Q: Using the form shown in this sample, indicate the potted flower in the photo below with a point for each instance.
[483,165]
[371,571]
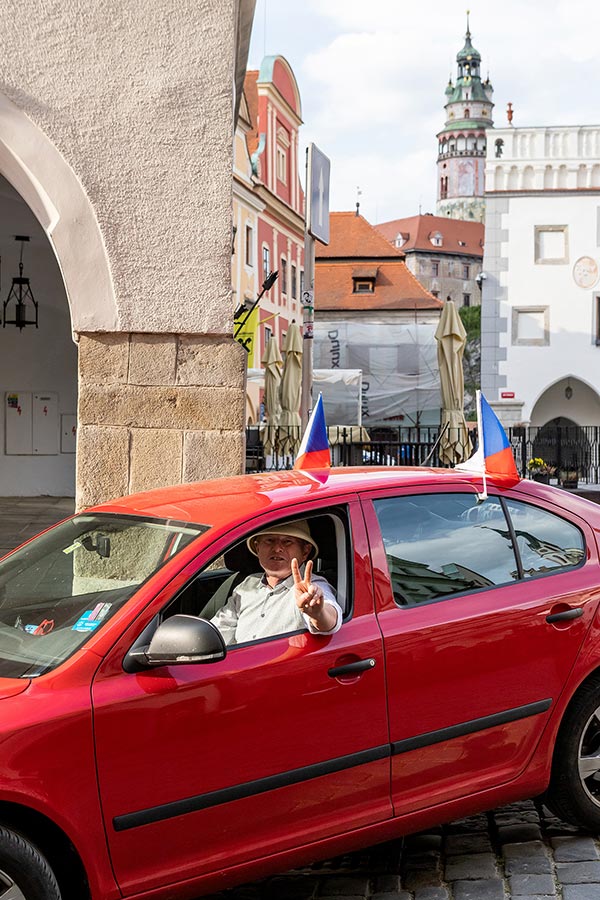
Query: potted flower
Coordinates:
[540,470]
[569,478]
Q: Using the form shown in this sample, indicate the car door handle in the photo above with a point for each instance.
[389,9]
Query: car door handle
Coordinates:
[565,615]
[351,668]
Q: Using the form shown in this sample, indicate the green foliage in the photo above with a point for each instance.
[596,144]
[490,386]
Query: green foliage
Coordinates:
[471,319]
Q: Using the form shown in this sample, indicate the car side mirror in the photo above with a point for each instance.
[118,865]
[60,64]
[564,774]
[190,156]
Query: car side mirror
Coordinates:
[181,640]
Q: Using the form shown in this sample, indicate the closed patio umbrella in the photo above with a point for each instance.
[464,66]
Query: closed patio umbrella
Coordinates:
[451,337]
[291,388]
[273,364]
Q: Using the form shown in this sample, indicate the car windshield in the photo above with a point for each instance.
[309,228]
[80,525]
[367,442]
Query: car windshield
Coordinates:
[61,587]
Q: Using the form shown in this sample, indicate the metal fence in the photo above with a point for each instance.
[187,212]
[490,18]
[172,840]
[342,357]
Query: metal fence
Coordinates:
[570,450]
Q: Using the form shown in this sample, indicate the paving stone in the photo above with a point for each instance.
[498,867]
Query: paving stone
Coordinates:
[428,860]
[581,892]
[347,886]
[471,823]
[574,849]
[578,873]
[471,866]
[528,865]
[390,895]
[423,842]
[384,883]
[292,887]
[432,893]
[531,884]
[456,844]
[490,889]
[419,878]
[525,849]
[512,834]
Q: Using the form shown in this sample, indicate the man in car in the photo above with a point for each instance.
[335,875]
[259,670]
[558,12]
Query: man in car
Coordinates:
[286,596]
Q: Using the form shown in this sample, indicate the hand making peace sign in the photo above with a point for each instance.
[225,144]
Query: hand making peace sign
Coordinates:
[310,598]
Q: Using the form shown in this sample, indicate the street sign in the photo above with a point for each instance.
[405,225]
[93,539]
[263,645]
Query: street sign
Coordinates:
[317,194]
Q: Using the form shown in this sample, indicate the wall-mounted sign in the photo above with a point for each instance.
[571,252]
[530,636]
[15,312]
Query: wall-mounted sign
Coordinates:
[585,272]
[507,395]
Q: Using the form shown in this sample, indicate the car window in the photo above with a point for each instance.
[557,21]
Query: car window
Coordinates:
[233,581]
[442,544]
[65,584]
[546,542]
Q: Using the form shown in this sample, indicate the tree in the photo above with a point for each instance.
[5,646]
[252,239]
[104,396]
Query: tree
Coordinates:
[471,319]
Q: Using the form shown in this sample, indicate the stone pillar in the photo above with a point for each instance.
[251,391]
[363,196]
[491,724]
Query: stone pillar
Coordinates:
[157,409]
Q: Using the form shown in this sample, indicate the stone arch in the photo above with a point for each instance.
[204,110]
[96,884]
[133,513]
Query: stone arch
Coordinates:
[51,189]
[499,178]
[513,179]
[595,176]
[563,174]
[582,176]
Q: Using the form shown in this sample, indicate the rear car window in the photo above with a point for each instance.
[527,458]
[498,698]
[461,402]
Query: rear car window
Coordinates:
[438,545]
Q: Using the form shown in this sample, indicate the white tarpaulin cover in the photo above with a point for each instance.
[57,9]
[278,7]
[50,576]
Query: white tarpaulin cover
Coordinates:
[400,376]
[341,389]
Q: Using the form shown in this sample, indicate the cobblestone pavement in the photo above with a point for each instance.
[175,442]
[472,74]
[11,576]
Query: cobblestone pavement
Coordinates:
[518,852]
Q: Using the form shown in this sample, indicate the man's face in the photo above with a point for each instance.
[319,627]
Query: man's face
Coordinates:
[276,552]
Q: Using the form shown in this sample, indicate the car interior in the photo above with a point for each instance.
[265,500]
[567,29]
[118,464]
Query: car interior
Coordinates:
[211,588]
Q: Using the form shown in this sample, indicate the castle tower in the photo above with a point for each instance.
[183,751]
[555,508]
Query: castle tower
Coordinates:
[462,141]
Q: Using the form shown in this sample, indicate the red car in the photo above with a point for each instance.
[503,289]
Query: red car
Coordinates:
[142,758]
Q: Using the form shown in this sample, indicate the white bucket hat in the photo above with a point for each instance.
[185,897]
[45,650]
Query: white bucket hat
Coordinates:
[298,529]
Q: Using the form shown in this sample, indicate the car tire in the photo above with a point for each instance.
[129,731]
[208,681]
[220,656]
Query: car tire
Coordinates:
[574,790]
[24,873]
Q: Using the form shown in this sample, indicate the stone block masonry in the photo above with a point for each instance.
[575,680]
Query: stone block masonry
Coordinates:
[157,409]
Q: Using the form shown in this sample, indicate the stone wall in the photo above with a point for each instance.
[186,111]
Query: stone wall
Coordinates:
[157,409]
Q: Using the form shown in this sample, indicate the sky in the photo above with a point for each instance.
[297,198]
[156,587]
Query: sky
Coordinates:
[372,76]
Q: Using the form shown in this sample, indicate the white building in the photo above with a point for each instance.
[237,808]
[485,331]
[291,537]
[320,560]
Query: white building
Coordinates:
[540,324]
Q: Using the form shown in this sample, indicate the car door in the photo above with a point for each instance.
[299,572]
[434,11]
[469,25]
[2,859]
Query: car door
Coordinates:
[204,767]
[478,643]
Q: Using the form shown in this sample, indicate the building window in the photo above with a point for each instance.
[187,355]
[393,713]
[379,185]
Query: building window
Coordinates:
[551,245]
[399,240]
[301,281]
[436,239]
[364,285]
[435,268]
[422,267]
[283,275]
[450,267]
[467,114]
[281,164]
[268,334]
[466,269]
[530,326]
[466,299]
[436,293]
[266,261]
[293,280]
[249,245]
[597,302]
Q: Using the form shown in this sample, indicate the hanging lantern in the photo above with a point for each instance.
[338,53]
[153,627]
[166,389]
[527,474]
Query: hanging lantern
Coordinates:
[21,295]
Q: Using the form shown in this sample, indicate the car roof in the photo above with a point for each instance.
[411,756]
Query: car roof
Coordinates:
[221,501]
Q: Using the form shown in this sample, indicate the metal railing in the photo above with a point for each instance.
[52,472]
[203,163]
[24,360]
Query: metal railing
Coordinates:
[569,450]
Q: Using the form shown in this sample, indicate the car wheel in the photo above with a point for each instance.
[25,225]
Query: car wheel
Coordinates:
[574,791]
[24,873]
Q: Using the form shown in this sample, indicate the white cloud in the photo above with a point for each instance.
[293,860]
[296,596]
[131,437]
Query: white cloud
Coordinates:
[372,78]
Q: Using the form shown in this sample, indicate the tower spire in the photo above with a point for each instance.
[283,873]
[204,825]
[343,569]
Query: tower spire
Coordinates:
[462,140]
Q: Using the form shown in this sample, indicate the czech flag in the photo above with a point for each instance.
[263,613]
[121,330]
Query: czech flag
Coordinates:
[313,452]
[493,455]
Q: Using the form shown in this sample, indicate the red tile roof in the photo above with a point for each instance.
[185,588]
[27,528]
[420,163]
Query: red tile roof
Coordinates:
[395,288]
[353,244]
[457,236]
[352,237]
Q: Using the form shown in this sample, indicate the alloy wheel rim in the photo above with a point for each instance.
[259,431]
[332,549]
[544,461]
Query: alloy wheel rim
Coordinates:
[8,888]
[588,757]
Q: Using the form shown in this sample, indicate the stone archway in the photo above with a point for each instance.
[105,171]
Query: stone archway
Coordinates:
[34,167]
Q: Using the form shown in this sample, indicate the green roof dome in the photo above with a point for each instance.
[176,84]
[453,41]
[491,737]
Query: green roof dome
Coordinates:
[468,51]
